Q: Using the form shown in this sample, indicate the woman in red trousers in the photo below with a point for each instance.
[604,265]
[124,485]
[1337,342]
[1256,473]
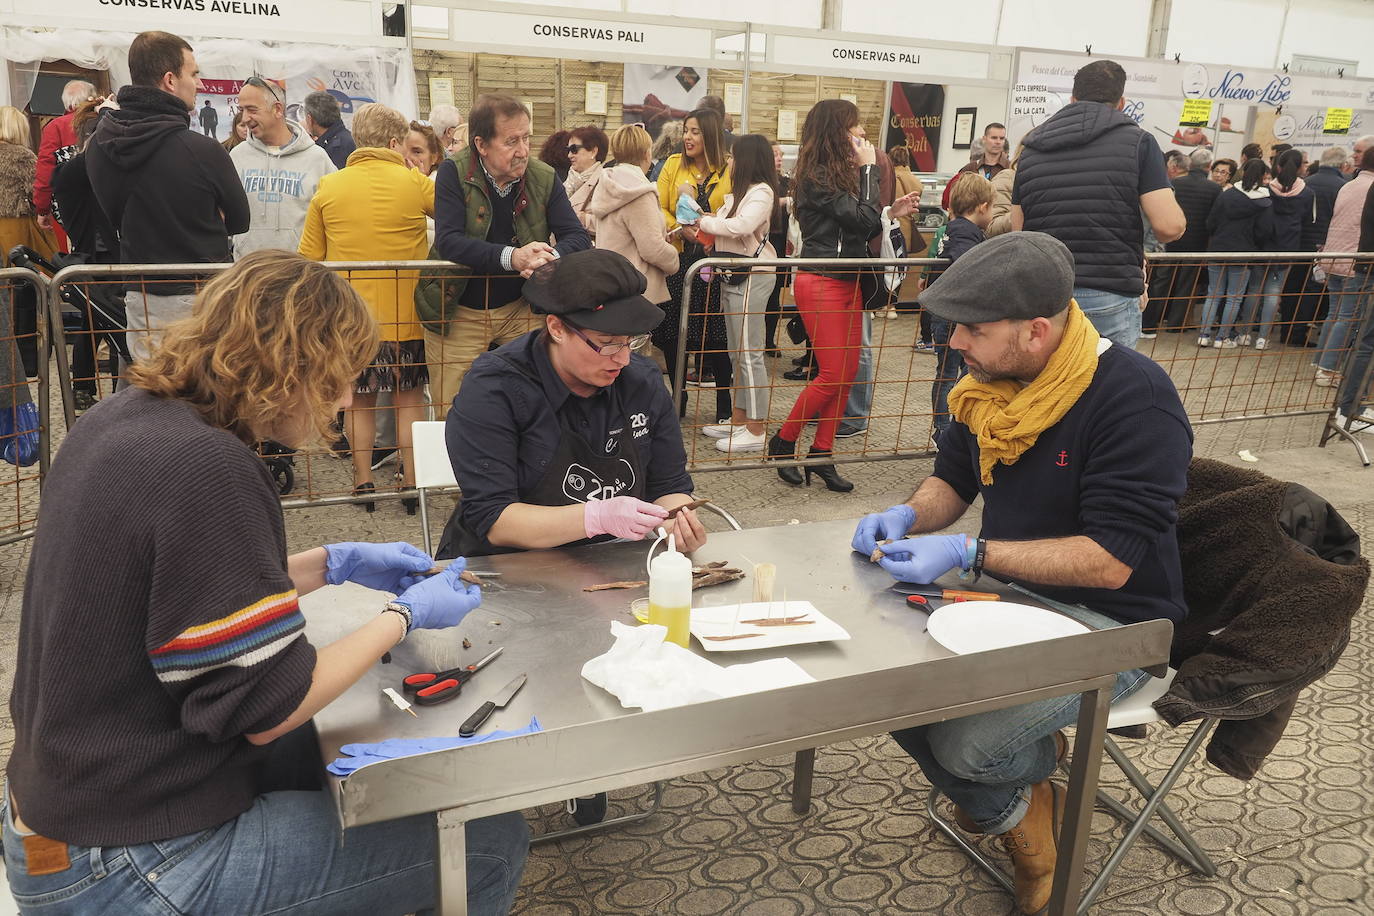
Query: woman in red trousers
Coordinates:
[836,193]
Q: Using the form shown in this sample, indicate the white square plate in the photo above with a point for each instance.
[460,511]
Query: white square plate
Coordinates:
[965,627]
[727,620]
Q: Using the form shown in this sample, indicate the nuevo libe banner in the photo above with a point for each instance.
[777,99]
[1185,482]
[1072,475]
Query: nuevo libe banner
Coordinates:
[913,119]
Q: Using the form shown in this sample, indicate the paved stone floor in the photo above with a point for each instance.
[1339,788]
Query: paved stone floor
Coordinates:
[1295,840]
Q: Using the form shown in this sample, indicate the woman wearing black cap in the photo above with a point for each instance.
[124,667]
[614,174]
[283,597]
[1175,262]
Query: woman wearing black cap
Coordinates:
[564,436]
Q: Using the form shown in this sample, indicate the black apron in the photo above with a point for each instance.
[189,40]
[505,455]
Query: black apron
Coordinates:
[578,471]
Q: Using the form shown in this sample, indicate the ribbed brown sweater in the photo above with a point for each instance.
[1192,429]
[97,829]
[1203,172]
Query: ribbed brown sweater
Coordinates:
[159,626]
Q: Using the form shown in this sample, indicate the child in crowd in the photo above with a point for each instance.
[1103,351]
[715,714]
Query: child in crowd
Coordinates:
[971,203]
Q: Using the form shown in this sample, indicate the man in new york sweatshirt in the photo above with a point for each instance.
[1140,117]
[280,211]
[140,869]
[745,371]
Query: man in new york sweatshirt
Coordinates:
[280,167]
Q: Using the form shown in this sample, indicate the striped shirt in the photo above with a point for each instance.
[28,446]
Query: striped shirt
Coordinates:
[159,627]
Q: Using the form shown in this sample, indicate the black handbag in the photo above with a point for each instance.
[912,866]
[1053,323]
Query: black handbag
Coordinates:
[737,276]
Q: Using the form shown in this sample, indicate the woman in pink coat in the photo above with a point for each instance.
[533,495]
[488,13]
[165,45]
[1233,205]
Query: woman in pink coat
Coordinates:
[624,207]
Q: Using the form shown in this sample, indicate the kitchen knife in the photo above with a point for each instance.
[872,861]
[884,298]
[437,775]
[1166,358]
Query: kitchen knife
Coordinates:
[474,721]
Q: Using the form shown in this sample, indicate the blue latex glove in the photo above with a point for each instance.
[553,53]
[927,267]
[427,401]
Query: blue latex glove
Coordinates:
[923,560]
[889,525]
[357,756]
[687,212]
[385,567]
[441,601]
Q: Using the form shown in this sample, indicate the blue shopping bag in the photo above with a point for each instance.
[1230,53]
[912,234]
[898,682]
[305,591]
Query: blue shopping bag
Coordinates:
[19,434]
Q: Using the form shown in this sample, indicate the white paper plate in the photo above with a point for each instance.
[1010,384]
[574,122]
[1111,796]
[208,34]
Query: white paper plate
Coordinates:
[724,621]
[965,627]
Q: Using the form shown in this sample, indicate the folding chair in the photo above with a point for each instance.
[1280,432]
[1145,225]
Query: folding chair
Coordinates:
[432,468]
[1134,710]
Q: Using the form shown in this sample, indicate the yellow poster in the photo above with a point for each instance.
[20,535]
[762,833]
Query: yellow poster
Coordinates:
[1196,113]
[1337,120]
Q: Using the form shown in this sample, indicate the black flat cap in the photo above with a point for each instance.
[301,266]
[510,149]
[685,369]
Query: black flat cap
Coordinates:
[1017,275]
[596,289]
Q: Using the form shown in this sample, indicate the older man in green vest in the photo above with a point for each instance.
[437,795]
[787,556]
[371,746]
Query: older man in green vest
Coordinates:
[495,212]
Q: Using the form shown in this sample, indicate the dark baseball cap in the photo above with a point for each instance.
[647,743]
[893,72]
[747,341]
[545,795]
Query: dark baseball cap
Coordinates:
[1018,275]
[596,289]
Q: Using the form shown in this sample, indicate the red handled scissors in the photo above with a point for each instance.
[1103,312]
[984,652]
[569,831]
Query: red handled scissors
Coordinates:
[432,687]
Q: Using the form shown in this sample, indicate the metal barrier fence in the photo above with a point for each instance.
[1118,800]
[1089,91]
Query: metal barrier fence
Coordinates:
[1269,330]
[24,349]
[895,414]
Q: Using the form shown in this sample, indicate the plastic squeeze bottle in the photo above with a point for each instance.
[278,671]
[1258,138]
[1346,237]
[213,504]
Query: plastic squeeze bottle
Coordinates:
[670,593]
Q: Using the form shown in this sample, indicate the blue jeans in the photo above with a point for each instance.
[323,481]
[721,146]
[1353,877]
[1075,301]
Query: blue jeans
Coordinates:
[860,403]
[1266,285]
[1224,281]
[949,368]
[1346,295]
[986,763]
[1115,316]
[285,854]
[1351,392]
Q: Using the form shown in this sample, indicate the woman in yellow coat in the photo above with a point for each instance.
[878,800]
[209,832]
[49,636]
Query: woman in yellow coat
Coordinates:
[702,172]
[375,210]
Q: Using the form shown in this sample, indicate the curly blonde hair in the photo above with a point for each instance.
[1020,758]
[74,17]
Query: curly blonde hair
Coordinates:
[272,343]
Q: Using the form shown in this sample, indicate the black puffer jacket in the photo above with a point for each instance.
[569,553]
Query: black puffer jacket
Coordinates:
[1277,567]
[1241,220]
[836,224]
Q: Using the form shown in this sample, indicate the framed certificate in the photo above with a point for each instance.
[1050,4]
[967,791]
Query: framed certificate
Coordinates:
[964,120]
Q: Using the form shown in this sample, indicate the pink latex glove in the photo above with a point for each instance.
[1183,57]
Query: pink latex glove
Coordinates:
[622,516]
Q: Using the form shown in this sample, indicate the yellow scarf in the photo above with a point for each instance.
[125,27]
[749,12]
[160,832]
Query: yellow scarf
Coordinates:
[1007,418]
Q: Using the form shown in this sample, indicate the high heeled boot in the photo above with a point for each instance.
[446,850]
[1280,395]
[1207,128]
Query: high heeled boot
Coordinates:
[778,447]
[827,473]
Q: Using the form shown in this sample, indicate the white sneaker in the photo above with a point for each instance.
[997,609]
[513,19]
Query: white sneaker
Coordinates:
[742,441]
[720,430]
[1148,335]
[1261,343]
[1363,422]
[1204,341]
[1326,378]
[1227,344]
[1245,340]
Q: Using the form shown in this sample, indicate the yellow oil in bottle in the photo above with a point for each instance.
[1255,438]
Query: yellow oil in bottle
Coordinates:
[677,618]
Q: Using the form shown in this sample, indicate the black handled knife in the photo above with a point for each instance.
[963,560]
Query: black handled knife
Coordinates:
[474,721]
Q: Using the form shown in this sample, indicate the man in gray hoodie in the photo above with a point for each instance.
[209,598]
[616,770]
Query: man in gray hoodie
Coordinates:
[280,167]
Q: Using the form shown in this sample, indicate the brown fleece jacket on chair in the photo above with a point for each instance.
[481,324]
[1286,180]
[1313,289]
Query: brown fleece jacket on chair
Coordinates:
[1281,571]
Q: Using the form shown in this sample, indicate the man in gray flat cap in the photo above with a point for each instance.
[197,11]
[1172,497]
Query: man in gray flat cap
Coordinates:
[1080,450]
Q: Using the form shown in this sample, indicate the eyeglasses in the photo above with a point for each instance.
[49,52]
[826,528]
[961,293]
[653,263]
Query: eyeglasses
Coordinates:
[271,88]
[574,149]
[634,343]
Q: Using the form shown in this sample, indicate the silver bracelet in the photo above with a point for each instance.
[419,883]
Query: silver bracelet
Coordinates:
[404,612]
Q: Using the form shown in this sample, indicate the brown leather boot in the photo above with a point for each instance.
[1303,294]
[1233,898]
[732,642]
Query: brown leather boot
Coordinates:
[1033,847]
[1061,748]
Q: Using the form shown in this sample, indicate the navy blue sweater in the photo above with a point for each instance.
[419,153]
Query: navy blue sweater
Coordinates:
[1113,469]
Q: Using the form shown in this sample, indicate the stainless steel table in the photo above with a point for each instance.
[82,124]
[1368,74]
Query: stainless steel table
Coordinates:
[889,675]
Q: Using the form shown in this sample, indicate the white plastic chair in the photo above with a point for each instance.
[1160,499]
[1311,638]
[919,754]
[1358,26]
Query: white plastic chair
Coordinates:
[432,467]
[1136,709]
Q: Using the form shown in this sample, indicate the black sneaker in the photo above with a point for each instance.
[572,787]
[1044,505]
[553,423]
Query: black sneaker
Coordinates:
[83,400]
[845,432]
[588,810]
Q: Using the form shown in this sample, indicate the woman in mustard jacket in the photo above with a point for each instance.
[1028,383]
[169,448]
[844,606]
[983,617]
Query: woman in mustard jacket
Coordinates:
[701,171]
[375,210]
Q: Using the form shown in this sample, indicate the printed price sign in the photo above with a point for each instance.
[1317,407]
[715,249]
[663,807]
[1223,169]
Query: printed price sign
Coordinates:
[1196,113]
[1337,120]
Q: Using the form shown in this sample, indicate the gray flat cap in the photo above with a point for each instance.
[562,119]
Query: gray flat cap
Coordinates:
[1017,275]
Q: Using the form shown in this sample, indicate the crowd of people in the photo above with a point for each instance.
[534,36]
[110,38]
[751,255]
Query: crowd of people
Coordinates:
[561,433]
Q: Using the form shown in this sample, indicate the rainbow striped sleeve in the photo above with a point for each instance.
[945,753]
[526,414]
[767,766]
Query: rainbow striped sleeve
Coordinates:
[240,640]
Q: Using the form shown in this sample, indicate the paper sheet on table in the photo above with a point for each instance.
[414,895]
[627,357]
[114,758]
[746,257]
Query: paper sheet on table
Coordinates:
[643,670]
